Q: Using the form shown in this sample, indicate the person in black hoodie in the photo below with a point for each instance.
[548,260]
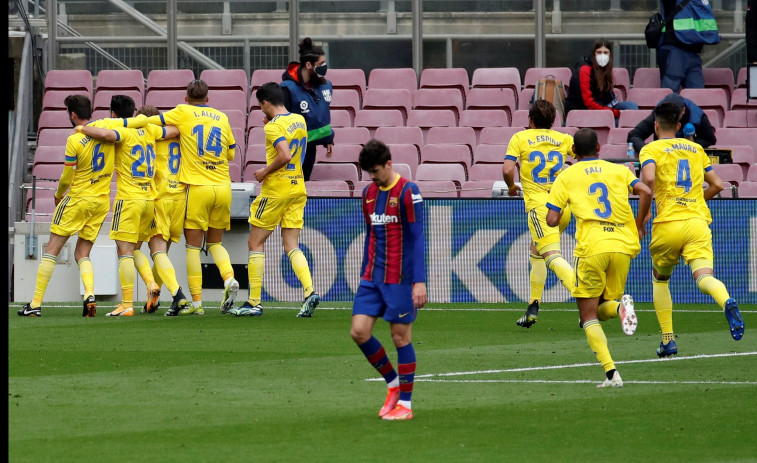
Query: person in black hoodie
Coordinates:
[591,85]
[307,92]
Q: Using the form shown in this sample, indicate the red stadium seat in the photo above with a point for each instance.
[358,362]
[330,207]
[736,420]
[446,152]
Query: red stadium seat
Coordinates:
[485,172]
[520,119]
[342,153]
[256,118]
[375,118]
[452,136]
[225,79]
[165,100]
[49,154]
[492,98]
[747,190]
[169,79]
[248,175]
[489,154]
[708,98]
[121,79]
[497,135]
[743,156]
[50,172]
[346,100]
[479,119]
[622,81]
[328,188]
[403,169]
[393,78]
[69,80]
[534,74]
[455,78]
[438,188]
[405,153]
[477,189]
[54,99]
[647,98]
[352,135]
[340,118]
[335,171]
[741,78]
[237,119]
[497,78]
[751,176]
[260,77]
[228,99]
[646,78]
[599,120]
[53,119]
[739,100]
[103,98]
[439,99]
[255,153]
[630,118]
[719,78]
[255,136]
[736,136]
[619,135]
[427,118]
[401,135]
[353,79]
[569,130]
[53,137]
[615,152]
[524,99]
[715,119]
[235,172]
[729,173]
[389,98]
[447,154]
[740,118]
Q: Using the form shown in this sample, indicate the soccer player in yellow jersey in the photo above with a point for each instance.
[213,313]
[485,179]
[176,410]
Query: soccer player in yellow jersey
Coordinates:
[281,200]
[87,172]
[541,153]
[675,169]
[207,145]
[607,238]
[133,209]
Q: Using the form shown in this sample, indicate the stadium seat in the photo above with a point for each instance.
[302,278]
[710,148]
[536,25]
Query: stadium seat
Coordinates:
[235,171]
[736,136]
[375,118]
[508,77]
[255,136]
[489,154]
[340,118]
[405,153]
[103,98]
[569,130]
[708,98]
[248,175]
[402,169]
[169,79]
[100,114]
[438,188]
[455,78]
[347,100]
[740,118]
[534,74]
[165,100]
[49,172]
[599,120]
[497,135]
[69,80]
[241,141]
[255,153]
[401,135]
[427,118]
[328,188]
[477,189]
[260,77]
[486,172]
[226,79]
[227,99]
[743,156]
[353,79]
[715,119]
[441,171]
[647,98]
[478,119]
[237,119]
[739,100]
[54,99]
[719,78]
[49,154]
[619,135]
[646,78]
[53,119]
[492,98]
[439,99]
[741,78]
[53,137]
[388,98]
[729,173]
[447,154]
[255,118]
[630,117]
[524,99]
[120,79]
[616,152]
[357,190]
[393,78]
[336,171]
[520,119]
[44,207]
[751,176]
[453,136]
[353,135]
[622,81]
[341,153]
[747,190]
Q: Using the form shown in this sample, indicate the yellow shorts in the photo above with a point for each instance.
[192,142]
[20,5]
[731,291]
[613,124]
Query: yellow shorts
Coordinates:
[546,238]
[208,206]
[690,239]
[601,275]
[169,218]
[132,220]
[82,215]
[266,213]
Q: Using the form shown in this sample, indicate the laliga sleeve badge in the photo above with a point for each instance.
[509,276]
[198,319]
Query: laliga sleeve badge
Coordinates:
[304,108]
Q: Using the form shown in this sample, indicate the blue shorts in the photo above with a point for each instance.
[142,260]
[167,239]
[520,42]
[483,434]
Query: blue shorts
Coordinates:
[392,302]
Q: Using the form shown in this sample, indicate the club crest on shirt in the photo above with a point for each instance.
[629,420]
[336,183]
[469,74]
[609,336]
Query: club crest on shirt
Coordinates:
[393,201]
[326,95]
[304,108]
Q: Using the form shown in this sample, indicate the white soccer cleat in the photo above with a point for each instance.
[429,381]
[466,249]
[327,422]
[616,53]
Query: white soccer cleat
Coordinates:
[628,319]
[616,381]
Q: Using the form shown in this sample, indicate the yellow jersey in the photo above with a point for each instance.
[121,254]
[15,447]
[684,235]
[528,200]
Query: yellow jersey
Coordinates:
[93,161]
[207,143]
[680,166]
[541,155]
[288,181]
[597,193]
[167,162]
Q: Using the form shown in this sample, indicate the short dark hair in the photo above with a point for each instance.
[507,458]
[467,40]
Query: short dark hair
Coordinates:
[542,113]
[374,153]
[148,110]
[309,53]
[197,90]
[79,105]
[270,92]
[667,115]
[122,105]
[585,142]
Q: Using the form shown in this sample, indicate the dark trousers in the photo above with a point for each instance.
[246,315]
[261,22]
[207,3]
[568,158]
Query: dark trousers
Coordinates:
[309,161]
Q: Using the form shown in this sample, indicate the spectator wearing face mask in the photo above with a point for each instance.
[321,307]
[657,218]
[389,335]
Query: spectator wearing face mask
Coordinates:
[591,85]
[308,93]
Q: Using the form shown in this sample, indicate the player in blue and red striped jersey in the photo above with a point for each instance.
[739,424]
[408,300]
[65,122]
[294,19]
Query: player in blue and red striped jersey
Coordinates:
[393,275]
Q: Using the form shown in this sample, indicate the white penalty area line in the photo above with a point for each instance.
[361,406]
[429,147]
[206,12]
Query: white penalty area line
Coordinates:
[429,377]
[579,381]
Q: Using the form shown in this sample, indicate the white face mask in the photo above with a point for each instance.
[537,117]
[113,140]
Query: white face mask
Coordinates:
[602,60]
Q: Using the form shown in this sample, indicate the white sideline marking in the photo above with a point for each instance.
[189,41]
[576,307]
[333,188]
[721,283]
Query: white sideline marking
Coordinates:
[575,365]
[579,381]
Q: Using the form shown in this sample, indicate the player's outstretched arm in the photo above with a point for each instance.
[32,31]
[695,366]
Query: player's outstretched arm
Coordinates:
[645,205]
[714,184]
[99,134]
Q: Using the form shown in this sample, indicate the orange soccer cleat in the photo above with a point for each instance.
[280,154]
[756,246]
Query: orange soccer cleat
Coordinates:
[392,396]
[400,412]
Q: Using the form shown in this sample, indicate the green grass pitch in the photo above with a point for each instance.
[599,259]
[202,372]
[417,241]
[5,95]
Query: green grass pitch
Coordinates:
[281,389]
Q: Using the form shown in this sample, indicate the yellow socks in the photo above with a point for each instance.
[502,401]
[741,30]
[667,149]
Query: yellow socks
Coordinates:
[127,273]
[166,271]
[156,274]
[44,272]
[538,277]
[563,270]
[598,343]
[608,310]
[87,272]
[222,260]
[255,271]
[143,267]
[715,288]
[194,273]
[301,269]
[663,307]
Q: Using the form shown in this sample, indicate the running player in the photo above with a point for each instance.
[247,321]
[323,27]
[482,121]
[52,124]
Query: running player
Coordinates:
[606,240]
[541,153]
[675,169]
[282,200]
[87,173]
[393,275]
[207,145]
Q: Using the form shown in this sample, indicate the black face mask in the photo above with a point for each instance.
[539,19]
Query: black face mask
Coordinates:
[321,70]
